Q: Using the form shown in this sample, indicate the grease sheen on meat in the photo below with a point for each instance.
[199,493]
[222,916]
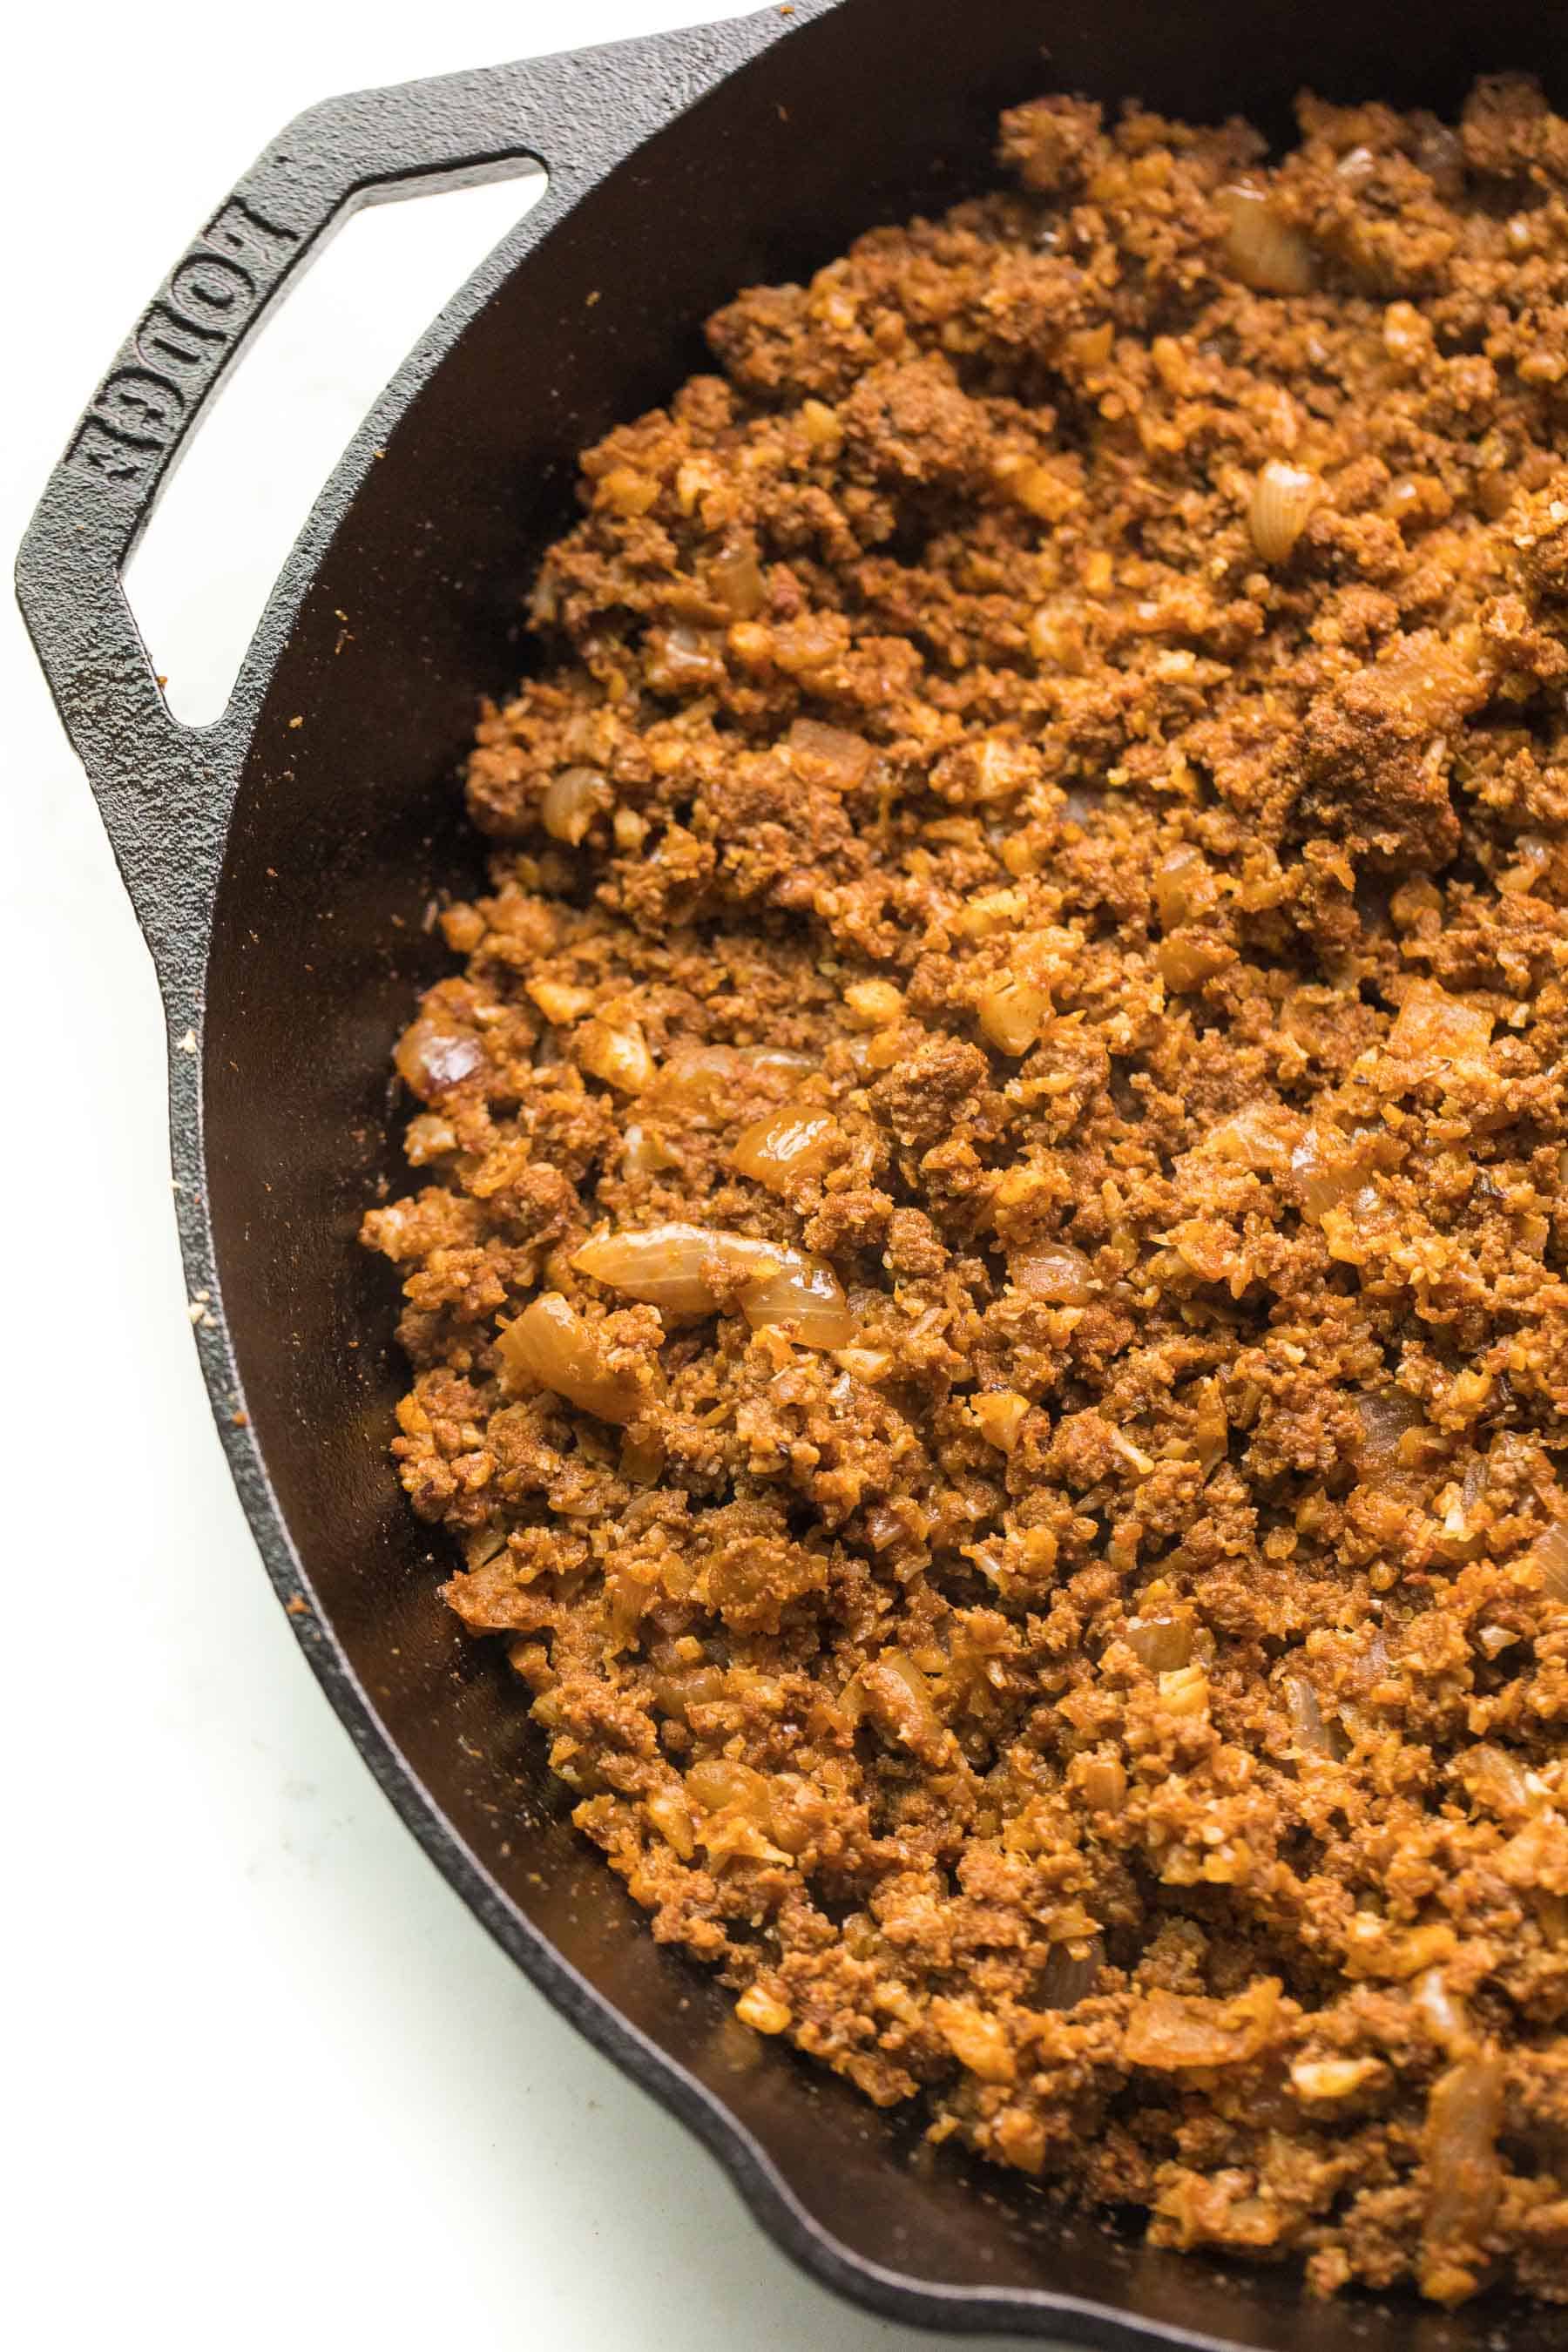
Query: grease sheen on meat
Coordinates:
[987,1290]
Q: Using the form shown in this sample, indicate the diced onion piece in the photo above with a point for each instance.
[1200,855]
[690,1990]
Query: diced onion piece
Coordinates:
[1188,957]
[1057,1272]
[977,2039]
[1549,1553]
[1262,1135]
[736,579]
[1386,1419]
[1211,1426]
[1463,2174]
[433,1057]
[1332,2078]
[692,1270]
[1282,499]
[1171,2031]
[774,1057]
[1265,252]
[683,659]
[560,1001]
[1306,1715]
[983,917]
[1104,1782]
[719,1782]
[822,427]
[484,1544]
[1160,1643]
[642,1459]
[873,1003]
[1001,1413]
[1441,2012]
[1183,886]
[1325,1170]
[671,1815]
[804,1300]
[896,1696]
[1070,1974]
[1011,1015]
[761,2012]
[644,1153]
[844,756]
[1184,1690]
[685,1268]
[552,1345]
[1439,1030]
[624,492]
[617,1053]
[572,801]
[1496,1779]
[797,1140]
[691,1072]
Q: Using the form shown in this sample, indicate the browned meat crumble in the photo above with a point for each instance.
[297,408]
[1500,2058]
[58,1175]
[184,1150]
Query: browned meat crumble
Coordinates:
[988,1297]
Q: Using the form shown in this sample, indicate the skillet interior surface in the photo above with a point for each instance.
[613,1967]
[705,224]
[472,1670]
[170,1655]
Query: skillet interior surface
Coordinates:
[346,826]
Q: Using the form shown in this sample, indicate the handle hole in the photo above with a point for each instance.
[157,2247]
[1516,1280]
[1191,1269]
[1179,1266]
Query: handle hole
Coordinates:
[199,576]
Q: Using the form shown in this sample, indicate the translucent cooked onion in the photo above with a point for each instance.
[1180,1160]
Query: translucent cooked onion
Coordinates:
[551,1347]
[1188,957]
[1103,1780]
[1306,1716]
[1184,886]
[433,1057]
[1070,1974]
[1549,1553]
[719,1782]
[1282,499]
[1496,1779]
[691,1072]
[693,1270]
[560,1001]
[683,660]
[804,1300]
[977,2039]
[1211,1424]
[572,801]
[644,1153]
[1463,2174]
[1386,1419]
[1001,1413]
[873,1003]
[1439,1030]
[845,757]
[1265,252]
[1160,1643]
[1325,1171]
[1439,2010]
[1263,1135]
[797,1140]
[736,579]
[1011,1015]
[617,1053]
[896,1696]
[1056,1272]
[1171,2031]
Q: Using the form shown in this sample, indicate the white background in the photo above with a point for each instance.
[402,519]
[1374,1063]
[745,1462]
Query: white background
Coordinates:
[266,2081]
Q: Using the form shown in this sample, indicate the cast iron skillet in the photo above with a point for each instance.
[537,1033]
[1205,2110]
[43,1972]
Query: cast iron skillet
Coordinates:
[273,857]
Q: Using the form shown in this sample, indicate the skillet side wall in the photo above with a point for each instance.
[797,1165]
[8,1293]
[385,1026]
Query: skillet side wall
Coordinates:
[348,824]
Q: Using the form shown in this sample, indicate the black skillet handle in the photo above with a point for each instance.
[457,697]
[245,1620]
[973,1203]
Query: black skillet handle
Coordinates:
[165,789]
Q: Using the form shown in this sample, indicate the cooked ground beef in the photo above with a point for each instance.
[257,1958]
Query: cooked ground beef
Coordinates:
[988,1297]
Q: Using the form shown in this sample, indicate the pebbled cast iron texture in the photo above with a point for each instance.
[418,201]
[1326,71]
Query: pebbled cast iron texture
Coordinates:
[282,861]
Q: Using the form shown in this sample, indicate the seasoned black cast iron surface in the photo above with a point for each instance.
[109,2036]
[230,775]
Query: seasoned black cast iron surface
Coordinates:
[272,864]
